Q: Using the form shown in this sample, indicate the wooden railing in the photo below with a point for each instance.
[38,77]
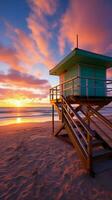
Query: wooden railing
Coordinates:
[79,131]
[74,84]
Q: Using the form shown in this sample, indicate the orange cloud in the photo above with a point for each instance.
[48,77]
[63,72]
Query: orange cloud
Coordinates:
[9,56]
[19,85]
[7,93]
[43,6]
[33,47]
[27,50]
[41,30]
[40,35]
[91,20]
[24,46]
[19,79]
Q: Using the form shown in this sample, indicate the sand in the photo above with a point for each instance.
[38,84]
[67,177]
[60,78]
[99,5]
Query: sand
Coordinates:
[36,165]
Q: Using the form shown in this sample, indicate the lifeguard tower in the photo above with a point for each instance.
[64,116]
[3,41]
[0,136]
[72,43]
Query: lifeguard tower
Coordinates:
[82,92]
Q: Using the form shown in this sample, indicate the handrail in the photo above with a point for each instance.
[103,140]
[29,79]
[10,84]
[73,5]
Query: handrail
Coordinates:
[86,128]
[82,147]
[101,117]
[79,118]
[59,90]
[69,80]
[83,77]
[84,138]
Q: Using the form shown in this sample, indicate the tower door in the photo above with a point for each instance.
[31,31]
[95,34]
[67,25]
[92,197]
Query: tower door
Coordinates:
[87,81]
[93,81]
[100,84]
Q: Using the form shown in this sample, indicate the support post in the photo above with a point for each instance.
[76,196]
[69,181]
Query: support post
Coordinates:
[53,119]
[62,111]
[88,116]
[62,89]
[56,94]
[89,139]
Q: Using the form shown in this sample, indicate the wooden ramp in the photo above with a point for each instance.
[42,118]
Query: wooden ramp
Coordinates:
[84,126]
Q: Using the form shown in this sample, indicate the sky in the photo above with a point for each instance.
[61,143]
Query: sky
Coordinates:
[36,34]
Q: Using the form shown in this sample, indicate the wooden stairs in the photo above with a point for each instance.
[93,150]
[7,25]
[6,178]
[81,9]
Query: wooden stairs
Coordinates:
[83,125]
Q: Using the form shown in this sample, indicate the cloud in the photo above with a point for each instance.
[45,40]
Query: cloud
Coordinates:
[20,79]
[24,46]
[41,29]
[47,7]
[22,53]
[9,56]
[7,93]
[28,49]
[33,47]
[40,35]
[91,20]
[18,85]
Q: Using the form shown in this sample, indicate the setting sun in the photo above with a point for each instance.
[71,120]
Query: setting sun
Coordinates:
[18,120]
[16,102]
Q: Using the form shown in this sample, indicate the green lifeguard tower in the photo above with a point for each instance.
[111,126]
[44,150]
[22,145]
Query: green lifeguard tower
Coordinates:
[82,92]
[89,71]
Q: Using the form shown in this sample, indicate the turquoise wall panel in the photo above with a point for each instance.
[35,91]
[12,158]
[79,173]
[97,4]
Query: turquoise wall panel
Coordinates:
[87,86]
[100,73]
[72,72]
[95,87]
[92,73]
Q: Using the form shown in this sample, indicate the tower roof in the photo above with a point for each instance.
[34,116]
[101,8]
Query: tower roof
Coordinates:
[83,57]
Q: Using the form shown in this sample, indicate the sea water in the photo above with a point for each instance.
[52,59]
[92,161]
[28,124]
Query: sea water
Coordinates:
[33,114]
[26,114]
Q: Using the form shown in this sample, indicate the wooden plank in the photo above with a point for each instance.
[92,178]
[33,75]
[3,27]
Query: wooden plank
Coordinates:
[91,113]
[57,107]
[89,100]
[75,135]
[76,146]
[102,131]
[101,117]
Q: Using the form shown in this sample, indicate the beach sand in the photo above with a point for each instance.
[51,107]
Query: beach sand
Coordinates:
[36,165]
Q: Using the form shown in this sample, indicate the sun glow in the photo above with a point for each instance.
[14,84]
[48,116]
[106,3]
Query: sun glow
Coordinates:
[19,101]
[18,120]
[16,102]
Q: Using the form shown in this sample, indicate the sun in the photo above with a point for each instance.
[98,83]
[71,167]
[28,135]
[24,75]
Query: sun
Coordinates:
[16,102]
[18,120]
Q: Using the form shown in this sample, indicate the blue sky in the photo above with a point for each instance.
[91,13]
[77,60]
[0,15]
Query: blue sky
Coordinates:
[35,35]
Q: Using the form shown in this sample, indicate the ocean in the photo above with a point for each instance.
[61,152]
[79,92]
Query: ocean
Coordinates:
[25,114]
[32,114]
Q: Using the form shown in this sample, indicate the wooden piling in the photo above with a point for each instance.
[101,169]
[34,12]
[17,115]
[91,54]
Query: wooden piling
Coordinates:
[53,119]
